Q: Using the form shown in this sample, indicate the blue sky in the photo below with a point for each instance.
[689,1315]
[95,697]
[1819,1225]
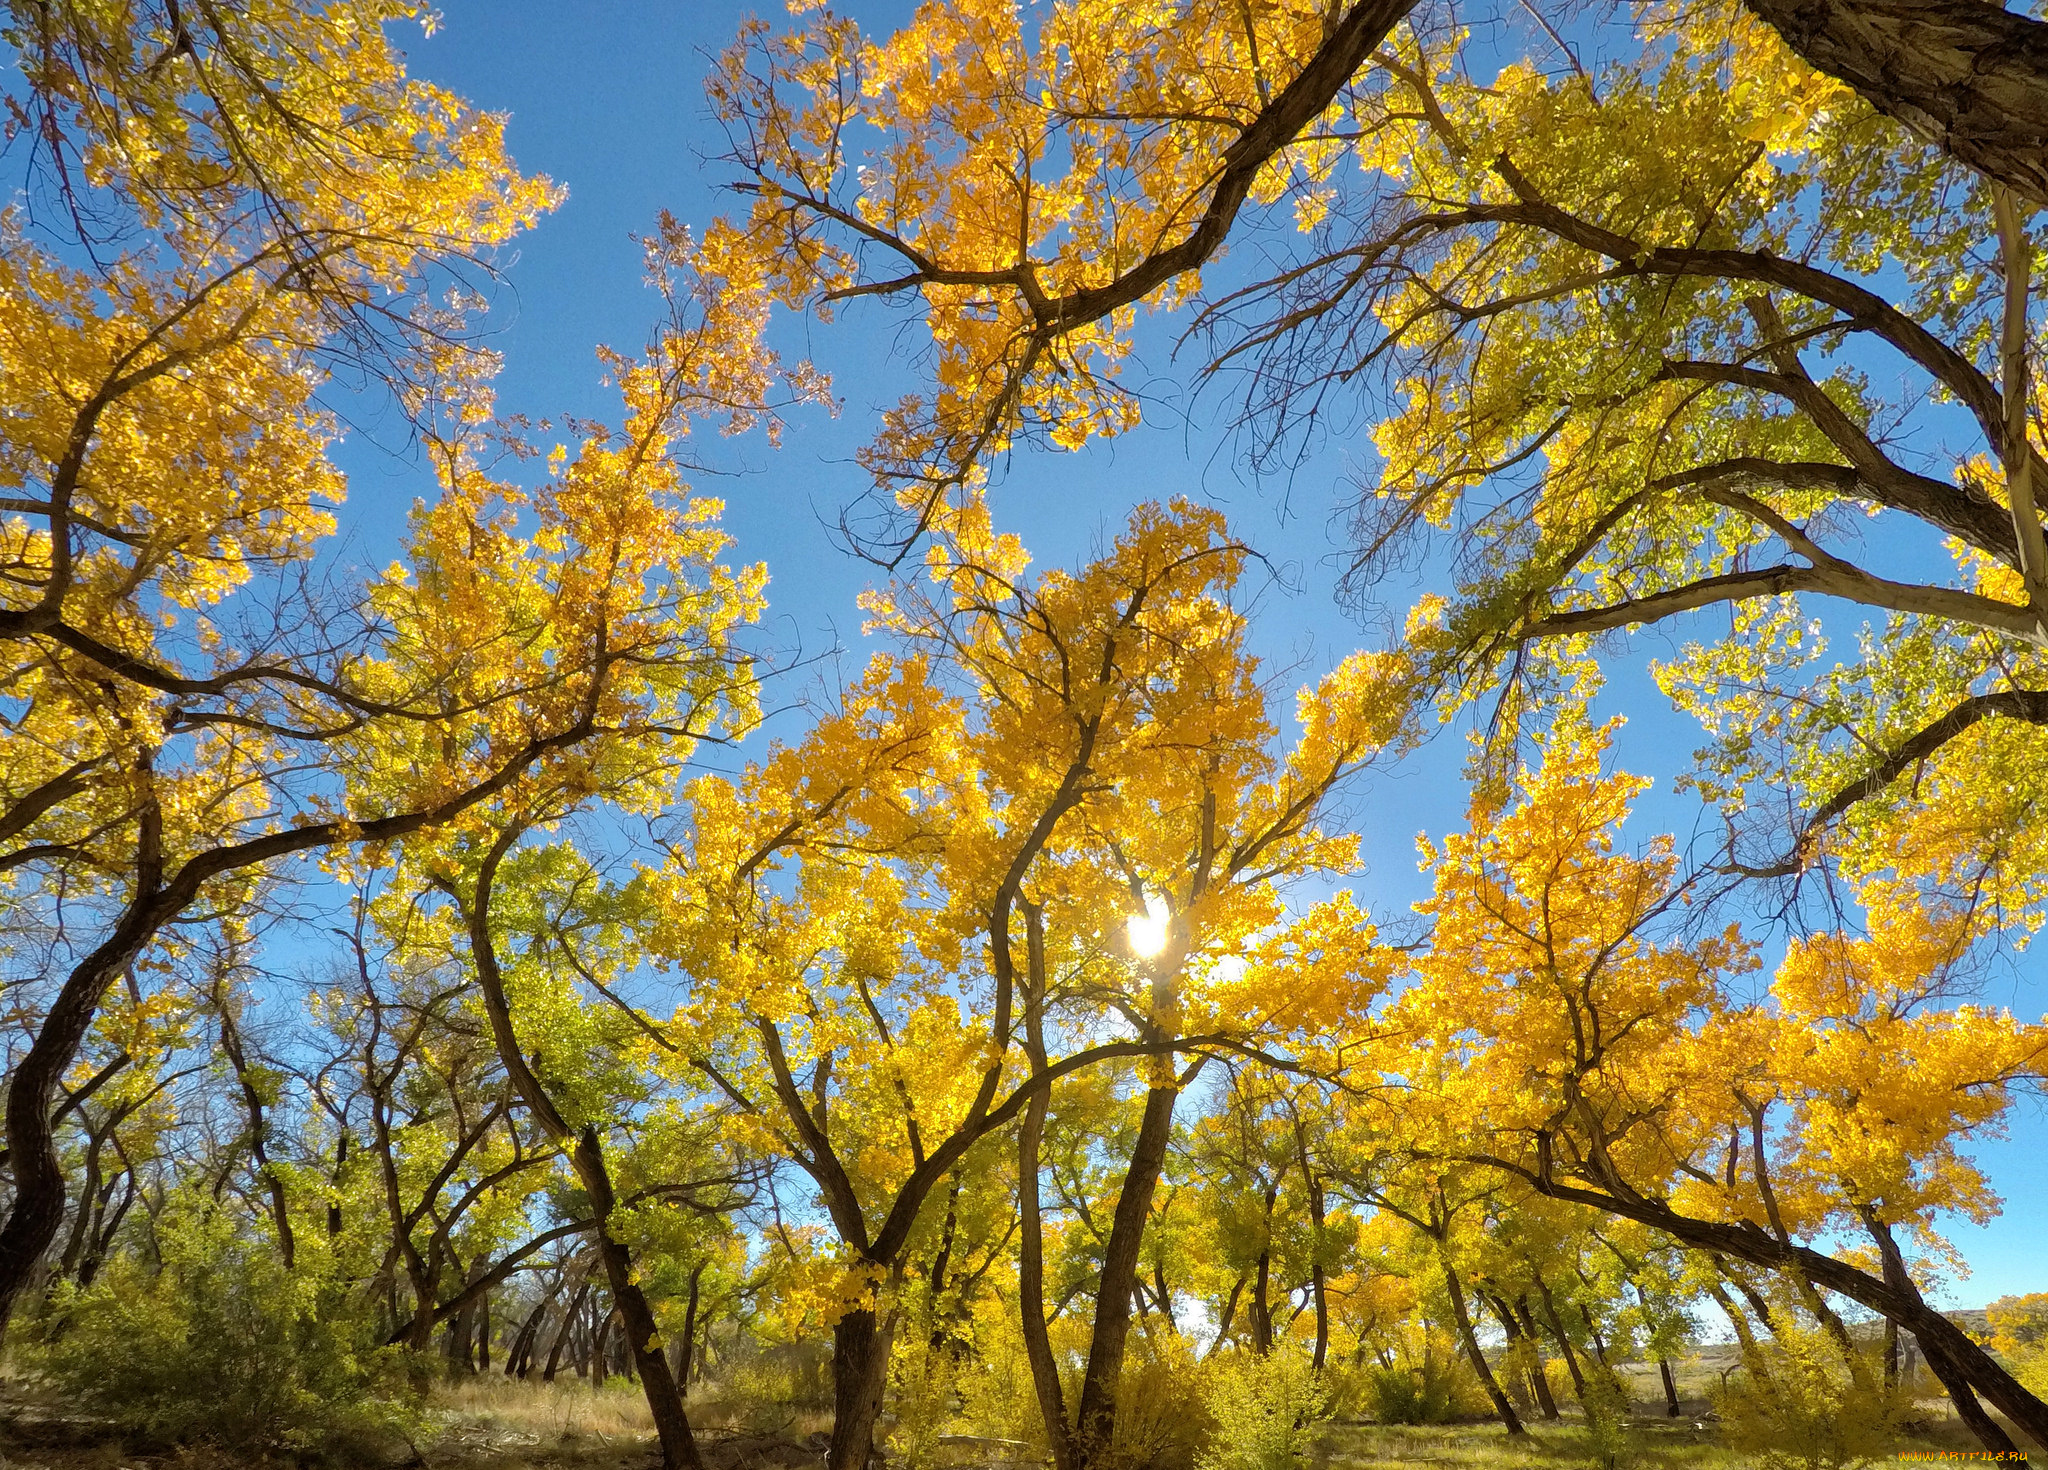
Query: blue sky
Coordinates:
[606,98]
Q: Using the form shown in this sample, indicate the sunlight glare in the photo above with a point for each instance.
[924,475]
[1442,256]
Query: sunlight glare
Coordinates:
[1147,931]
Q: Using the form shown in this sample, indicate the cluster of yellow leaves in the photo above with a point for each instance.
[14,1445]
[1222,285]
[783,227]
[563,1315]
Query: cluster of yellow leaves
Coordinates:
[1561,1021]
[848,913]
[1000,161]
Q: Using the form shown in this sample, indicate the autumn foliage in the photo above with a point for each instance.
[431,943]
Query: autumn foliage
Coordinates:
[492,959]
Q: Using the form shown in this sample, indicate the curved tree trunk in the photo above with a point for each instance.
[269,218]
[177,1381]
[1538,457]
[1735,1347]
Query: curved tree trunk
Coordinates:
[1895,1296]
[586,1155]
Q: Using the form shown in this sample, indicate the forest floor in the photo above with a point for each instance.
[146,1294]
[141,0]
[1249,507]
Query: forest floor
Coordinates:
[571,1426]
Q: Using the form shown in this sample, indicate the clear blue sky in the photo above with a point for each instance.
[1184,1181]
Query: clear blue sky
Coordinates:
[606,98]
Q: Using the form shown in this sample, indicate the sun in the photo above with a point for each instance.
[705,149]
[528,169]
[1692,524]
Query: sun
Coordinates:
[1147,931]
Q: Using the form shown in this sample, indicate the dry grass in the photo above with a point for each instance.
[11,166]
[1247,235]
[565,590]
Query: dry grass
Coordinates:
[1655,1443]
[552,1412]
[1487,1447]
[490,1421]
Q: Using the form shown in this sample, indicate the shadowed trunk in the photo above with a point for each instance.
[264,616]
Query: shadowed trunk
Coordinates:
[1473,1355]
[1564,1342]
[1095,1425]
[860,1376]
[565,1332]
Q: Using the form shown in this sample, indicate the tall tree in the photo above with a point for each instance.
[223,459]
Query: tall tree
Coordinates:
[1604,1063]
[904,931]
[194,706]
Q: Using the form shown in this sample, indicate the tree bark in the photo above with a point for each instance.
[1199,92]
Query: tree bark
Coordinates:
[1670,1387]
[1229,1313]
[1095,1420]
[1473,1355]
[860,1377]
[1564,1342]
[686,1359]
[1524,1332]
[1045,1373]
[565,1332]
[1969,77]
[1262,1311]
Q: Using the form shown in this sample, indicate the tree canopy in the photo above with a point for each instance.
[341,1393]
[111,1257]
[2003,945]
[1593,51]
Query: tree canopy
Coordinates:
[510,944]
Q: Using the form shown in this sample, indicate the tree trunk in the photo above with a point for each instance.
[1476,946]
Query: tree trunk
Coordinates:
[38,1207]
[455,1345]
[586,1154]
[334,1221]
[565,1331]
[1988,1431]
[1480,1366]
[1262,1313]
[601,1348]
[1670,1387]
[259,1126]
[1095,1422]
[1229,1313]
[1564,1342]
[1894,1296]
[1045,1373]
[860,1376]
[1967,76]
[1512,1373]
[684,1360]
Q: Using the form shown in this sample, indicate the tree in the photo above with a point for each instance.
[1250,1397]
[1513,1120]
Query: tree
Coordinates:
[1032,185]
[1611,1069]
[182,729]
[1623,362]
[848,915]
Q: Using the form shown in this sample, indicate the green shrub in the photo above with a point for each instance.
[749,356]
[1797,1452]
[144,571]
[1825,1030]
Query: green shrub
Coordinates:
[1610,1441]
[998,1396]
[1406,1396]
[923,1384]
[1804,1404]
[1267,1410]
[1436,1390]
[221,1344]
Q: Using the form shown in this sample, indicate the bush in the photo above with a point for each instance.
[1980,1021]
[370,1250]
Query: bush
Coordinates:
[774,1384]
[1407,1395]
[1267,1410]
[998,1397]
[1162,1417]
[1437,1387]
[1803,1404]
[221,1344]
[1610,1442]
[924,1381]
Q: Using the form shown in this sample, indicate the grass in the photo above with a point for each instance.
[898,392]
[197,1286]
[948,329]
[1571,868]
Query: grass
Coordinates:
[1487,1447]
[1654,1442]
[491,1423]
